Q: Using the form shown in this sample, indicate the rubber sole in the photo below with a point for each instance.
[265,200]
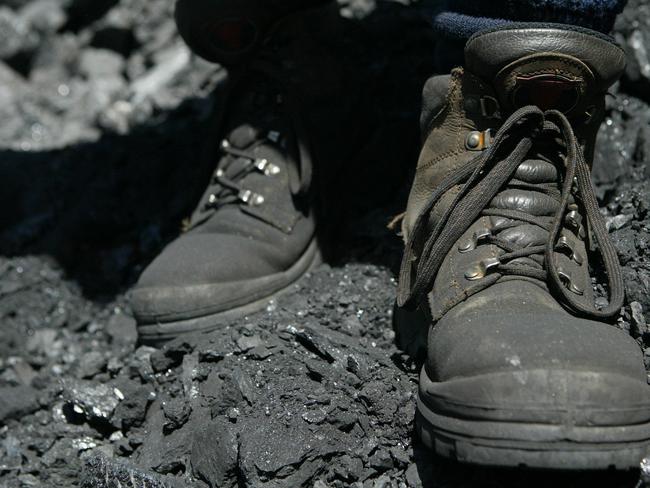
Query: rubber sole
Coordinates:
[160,332]
[512,443]
[543,446]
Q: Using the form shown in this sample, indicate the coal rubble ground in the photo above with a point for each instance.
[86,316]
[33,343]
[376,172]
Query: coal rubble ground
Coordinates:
[102,114]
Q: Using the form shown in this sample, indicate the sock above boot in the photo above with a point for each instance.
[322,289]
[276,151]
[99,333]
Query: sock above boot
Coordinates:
[460,19]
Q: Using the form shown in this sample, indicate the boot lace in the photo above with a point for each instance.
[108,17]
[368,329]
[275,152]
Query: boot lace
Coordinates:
[481,180]
[228,189]
[235,164]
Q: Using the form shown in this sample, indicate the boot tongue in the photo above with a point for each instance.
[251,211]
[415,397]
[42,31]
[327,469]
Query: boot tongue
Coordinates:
[550,67]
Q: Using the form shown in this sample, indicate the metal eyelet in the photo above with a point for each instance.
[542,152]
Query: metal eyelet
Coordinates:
[473,140]
[212,199]
[266,167]
[251,198]
[225,144]
[563,244]
[574,220]
[568,282]
[481,269]
[472,243]
[478,141]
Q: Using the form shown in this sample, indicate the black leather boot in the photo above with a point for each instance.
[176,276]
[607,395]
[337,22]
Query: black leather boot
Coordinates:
[253,233]
[501,230]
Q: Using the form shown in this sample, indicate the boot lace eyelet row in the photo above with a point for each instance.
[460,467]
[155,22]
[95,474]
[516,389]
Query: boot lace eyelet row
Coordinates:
[230,191]
[479,141]
[480,180]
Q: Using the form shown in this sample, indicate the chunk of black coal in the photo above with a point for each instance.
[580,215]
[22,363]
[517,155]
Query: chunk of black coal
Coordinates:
[93,401]
[170,356]
[17,401]
[177,411]
[101,472]
[214,454]
[132,409]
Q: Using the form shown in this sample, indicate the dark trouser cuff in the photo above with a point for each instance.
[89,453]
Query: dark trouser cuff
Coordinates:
[463,18]
[454,26]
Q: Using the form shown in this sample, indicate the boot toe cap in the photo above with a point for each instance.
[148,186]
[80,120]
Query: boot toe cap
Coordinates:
[543,396]
[200,274]
[508,357]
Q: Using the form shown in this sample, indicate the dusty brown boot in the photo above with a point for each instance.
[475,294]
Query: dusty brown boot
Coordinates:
[522,368]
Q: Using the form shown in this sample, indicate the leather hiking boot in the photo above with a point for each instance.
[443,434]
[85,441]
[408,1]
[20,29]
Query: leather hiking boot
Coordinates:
[253,233]
[501,230]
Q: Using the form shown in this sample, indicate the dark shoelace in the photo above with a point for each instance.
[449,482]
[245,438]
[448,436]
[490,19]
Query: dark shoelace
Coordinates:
[481,180]
[227,189]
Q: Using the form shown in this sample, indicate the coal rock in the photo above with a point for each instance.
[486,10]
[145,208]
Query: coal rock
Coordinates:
[214,456]
[135,399]
[19,372]
[11,453]
[100,63]
[44,16]
[221,391]
[91,364]
[140,363]
[633,32]
[161,362]
[400,455]
[284,449]
[177,412]
[246,343]
[162,451]
[43,342]
[122,330]
[101,472]
[381,460]
[16,35]
[170,356]
[412,476]
[95,401]
[17,401]
[638,319]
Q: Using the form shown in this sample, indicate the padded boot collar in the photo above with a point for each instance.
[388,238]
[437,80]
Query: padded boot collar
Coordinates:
[487,53]
[545,59]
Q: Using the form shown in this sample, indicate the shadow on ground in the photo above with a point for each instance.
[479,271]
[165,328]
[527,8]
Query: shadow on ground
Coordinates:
[104,209]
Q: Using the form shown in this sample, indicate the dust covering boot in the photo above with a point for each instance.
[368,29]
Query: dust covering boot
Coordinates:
[501,230]
[253,233]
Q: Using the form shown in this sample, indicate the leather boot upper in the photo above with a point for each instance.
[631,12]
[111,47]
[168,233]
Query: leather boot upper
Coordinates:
[558,78]
[502,223]
[253,230]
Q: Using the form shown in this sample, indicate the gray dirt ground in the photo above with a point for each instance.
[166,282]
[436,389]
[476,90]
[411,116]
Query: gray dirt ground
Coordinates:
[103,112]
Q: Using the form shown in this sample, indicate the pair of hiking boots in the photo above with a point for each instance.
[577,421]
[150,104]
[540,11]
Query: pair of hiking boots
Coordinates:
[500,230]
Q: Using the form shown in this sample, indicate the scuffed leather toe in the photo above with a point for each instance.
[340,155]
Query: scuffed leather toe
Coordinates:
[511,353]
[200,274]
